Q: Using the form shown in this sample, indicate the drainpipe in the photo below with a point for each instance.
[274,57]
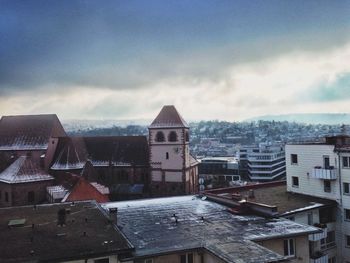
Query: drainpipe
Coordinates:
[341,207]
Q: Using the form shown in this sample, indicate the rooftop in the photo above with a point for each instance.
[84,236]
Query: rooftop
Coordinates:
[23,170]
[192,223]
[169,117]
[87,232]
[29,132]
[286,202]
[74,152]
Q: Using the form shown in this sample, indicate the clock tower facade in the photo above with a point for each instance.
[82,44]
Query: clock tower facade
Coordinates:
[173,170]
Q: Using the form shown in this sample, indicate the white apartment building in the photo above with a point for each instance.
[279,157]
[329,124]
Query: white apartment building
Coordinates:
[264,162]
[323,170]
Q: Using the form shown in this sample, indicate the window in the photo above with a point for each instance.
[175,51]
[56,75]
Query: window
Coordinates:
[310,220]
[172,136]
[332,259]
[150,260]
[294,158]
[6,196]
[167,155]
[347,240]
[327,186]
[186,258]
[329,241]
[346,189]
[31,197]
[160,137]
[289,247]
[346,162]
[347,214]
[187,136]
[295,181]
[101,260]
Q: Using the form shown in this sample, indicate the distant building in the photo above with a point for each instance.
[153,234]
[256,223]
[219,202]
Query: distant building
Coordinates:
[262,163]
[323,170]
[226,169]
[173,170]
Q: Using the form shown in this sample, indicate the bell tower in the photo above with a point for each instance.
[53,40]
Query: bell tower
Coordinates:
[170,158]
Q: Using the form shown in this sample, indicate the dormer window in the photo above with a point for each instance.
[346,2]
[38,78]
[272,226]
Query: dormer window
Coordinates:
[172,136]
[160,137]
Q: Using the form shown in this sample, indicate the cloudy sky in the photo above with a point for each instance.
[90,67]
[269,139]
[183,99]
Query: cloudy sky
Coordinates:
[226,60]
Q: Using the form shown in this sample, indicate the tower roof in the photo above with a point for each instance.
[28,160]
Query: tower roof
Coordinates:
[168,117]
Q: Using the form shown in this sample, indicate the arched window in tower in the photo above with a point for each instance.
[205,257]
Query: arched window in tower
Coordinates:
[172,136]
[187,136]
[160,137]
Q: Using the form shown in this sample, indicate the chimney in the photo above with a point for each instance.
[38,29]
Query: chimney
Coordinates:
[113,211]
[61,217]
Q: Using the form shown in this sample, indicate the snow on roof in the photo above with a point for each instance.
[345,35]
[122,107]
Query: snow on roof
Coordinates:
[23,171]
[101,188]
[57,191]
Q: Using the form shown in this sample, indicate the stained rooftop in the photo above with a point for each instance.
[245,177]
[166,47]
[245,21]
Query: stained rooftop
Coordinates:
[152,228]
[48,242]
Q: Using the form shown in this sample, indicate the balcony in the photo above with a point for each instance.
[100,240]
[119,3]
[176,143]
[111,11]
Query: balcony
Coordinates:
[319,257]
[324,173]
[319,236]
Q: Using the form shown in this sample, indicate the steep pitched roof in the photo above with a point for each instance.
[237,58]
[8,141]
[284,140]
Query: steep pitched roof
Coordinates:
[168,117]
[74,152]
[83,190]
[23,170]
[29,132]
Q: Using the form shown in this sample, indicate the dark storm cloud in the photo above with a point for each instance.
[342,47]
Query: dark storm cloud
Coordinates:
[129,44]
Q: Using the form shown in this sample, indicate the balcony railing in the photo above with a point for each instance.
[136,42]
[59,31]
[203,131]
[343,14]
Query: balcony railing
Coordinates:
[319,236]
[324,173]
[319,257]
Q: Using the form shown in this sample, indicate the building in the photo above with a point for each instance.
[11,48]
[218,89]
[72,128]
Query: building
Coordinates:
[219,170]
[173,170]
[193,229]
[262,163]
[24,182]
[303,209]
[30,135]
[69,232]
[130,166]
[322,170]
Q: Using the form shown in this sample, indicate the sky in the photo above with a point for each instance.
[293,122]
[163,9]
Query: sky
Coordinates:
[224,60]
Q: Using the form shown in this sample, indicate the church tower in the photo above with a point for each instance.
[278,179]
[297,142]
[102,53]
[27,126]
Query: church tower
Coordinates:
[173,170]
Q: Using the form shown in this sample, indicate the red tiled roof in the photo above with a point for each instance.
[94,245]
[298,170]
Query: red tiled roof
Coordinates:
[168,117]
[83,190]
[28,132]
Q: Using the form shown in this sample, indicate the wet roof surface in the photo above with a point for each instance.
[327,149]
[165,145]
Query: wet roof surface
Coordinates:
[152,228]
[52,243]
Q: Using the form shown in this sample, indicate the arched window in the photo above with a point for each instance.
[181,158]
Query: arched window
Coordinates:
[160,137]
[172,136]
[187,136]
